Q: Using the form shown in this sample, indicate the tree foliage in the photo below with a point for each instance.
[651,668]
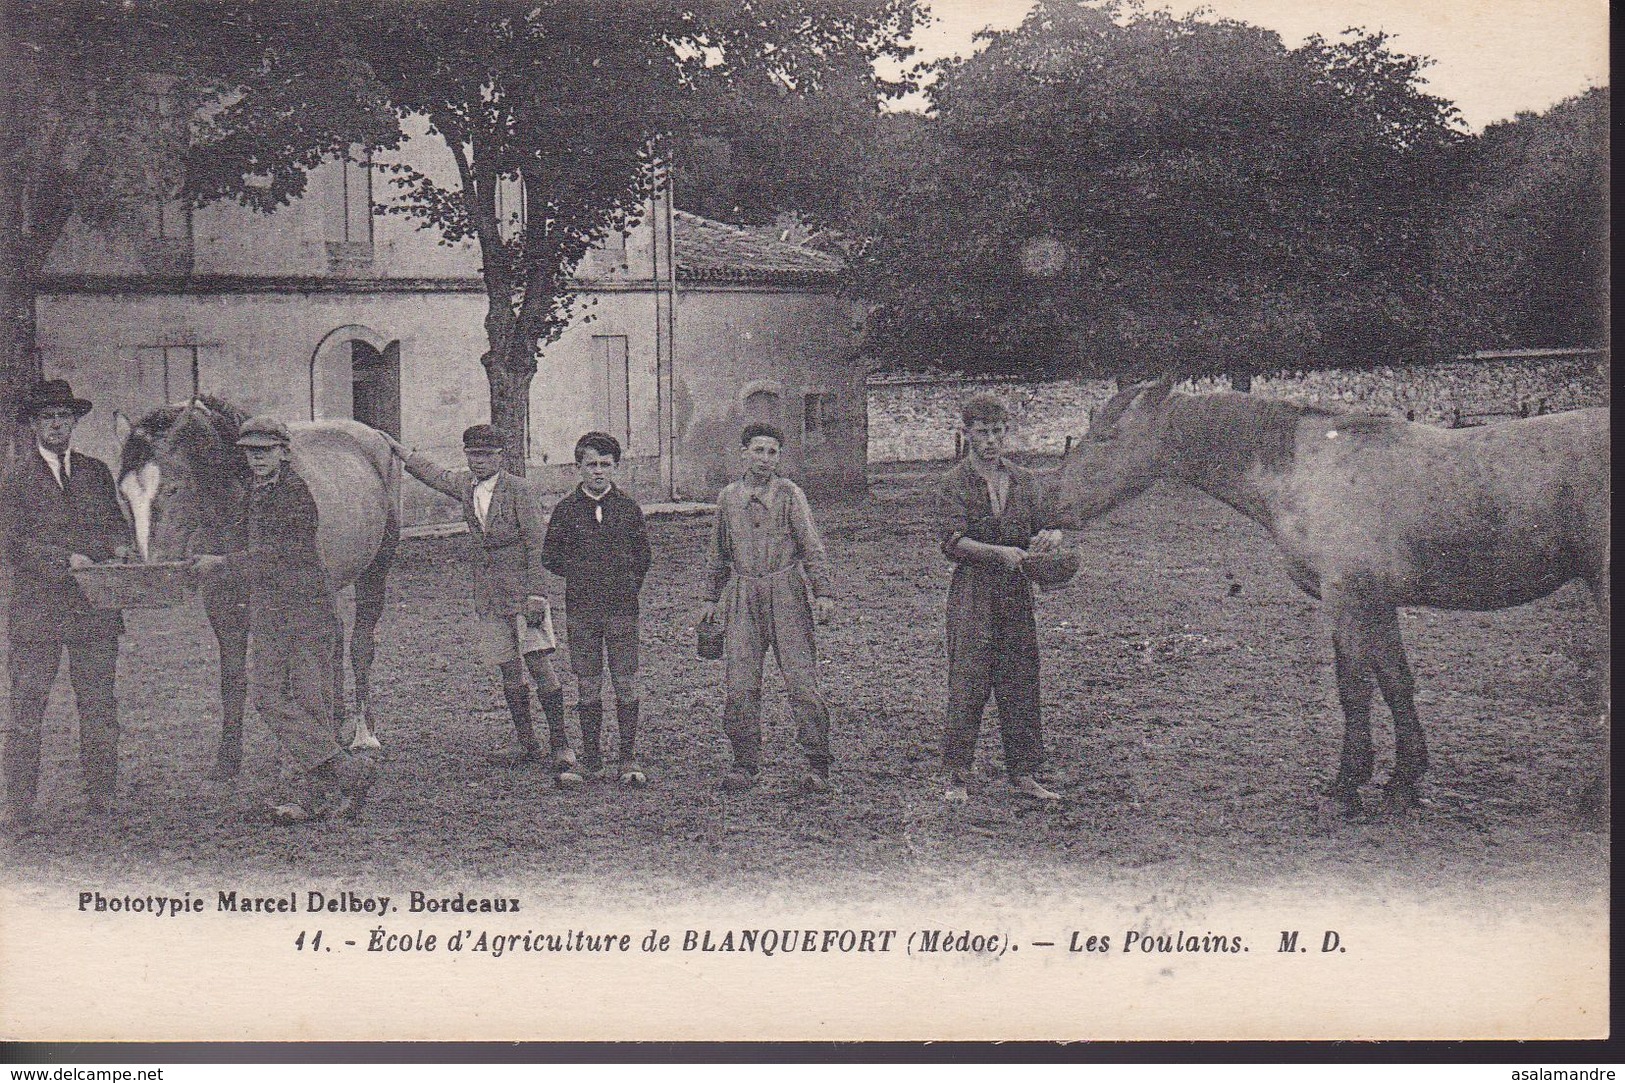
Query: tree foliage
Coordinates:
[1524,257]
[1125,189]
[576,102]
[81,132]
[104,100]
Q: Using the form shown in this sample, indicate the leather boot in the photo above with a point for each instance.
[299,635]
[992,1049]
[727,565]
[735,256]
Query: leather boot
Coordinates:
[228,757]
[742,719]
[22,775]
[626,719]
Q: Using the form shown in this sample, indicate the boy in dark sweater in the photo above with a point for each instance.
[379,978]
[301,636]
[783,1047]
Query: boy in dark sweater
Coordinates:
[597,544]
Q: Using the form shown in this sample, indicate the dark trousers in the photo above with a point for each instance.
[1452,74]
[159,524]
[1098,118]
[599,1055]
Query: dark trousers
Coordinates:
[92,662]
[291,681]
[992,649]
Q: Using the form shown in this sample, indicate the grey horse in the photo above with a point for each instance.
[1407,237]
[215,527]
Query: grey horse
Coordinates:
[1372,513]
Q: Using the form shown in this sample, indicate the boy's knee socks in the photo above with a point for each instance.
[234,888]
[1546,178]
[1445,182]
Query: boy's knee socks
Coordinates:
[541,672]
[626,720]
[518,697]
[592,724]
[517,693]
[558,735]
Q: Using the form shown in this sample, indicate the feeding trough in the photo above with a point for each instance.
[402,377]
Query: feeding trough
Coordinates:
[121,585]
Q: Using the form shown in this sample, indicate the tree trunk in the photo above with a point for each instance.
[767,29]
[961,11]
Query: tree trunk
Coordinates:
[510,410]
[509,367]
[22,365]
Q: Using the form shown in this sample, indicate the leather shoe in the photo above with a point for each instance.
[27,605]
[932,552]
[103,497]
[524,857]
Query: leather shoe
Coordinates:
[738,780]
[356,776]
[1031,787]
[515,755]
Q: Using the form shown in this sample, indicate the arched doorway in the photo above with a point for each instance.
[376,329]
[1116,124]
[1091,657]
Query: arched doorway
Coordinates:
[356,372]
[763,404]
[375,386]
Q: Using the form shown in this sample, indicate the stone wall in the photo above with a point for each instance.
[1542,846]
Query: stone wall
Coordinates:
[917,419]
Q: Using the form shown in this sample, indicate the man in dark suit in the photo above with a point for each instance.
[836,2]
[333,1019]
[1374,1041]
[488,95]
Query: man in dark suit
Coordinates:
[60,512]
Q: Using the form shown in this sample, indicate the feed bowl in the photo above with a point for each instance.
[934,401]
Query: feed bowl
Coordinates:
[1051,569]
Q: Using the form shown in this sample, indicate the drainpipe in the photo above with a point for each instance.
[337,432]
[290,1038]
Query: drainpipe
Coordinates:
[667,379]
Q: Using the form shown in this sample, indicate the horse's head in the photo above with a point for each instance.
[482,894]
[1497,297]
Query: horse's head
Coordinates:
[183,479]
[1118,458]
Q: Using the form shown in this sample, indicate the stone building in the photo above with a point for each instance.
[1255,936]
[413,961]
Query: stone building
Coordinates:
[685,329]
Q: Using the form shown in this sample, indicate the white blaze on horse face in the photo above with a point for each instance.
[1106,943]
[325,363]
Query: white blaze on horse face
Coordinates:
[139,488]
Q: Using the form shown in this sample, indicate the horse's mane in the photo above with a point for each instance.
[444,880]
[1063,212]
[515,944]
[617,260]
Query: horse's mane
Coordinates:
[1231,427]
[202,431]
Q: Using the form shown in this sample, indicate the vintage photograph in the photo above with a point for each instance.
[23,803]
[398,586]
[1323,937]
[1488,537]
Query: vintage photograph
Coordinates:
[804,520]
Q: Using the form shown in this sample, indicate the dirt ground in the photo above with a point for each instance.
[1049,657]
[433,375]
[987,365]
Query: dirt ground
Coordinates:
[1188,704]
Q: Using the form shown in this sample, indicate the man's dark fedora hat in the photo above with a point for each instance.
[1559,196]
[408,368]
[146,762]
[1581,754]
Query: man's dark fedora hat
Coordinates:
[46,394]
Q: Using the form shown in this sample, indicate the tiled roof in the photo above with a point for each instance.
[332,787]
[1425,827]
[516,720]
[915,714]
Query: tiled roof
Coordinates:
[710,251]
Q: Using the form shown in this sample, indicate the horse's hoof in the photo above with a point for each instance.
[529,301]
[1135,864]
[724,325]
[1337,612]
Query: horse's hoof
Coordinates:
[1348,802]
[292,813]
[365,742]
[1400,798]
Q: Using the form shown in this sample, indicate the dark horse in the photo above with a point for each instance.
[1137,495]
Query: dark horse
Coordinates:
[187,486]
[1372,513]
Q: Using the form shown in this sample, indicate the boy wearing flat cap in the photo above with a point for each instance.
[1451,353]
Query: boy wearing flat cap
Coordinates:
[60,512]
[506,531]
[293,627]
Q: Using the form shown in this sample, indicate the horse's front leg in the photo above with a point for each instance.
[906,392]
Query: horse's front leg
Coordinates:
[1398,687]
[1351,646]
[226,603]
